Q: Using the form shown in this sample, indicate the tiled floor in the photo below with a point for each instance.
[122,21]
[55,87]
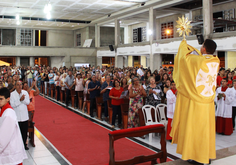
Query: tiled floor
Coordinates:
[40,155]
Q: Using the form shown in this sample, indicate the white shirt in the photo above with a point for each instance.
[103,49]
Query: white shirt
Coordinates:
[171,100]
[140,72]
[224,106]
[20,107]
[234,96]
[12,149]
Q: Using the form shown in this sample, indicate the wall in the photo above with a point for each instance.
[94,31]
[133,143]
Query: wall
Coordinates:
[143,61]
[107,36]
[64,38]
[57,61]
[84,34]
[130,61]
[231,59]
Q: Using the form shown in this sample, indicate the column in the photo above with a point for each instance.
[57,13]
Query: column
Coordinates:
[152,34]
[17,61]
[125,61]
[130,61]
[158,61]
[99,61]
[97,36]
[207,18]
[118,59]
[31,61]
[126,35]
[33,38]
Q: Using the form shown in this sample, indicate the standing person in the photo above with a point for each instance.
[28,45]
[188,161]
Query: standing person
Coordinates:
[45,77]
[136,93]
[69,81]
[29,74]
[234,103]
[171,100]
[51,80]
[151,89]
[195,77]
[19,100]
[220,76]
[224,98]
[140,73]
[105,91]
[116,102]
[79,87]
[94,90]
[57,83]
[32,93]
[229,77]
[11,147]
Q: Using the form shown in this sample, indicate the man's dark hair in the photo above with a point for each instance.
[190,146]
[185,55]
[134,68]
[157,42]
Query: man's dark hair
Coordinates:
[222,69]
[210,46]
[5,92]
[225,79]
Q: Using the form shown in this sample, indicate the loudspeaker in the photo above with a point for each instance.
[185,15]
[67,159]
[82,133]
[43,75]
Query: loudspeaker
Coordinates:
[111,47]
[200,39]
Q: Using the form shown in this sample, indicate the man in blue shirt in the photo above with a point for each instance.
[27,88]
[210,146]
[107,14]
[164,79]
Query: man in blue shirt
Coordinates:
[94,90]
[106,90]
[69,81]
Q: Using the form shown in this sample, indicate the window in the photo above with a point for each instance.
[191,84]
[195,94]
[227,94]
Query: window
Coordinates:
[26,37]
[167,30]
[139,34]
[78,40]
[8,36]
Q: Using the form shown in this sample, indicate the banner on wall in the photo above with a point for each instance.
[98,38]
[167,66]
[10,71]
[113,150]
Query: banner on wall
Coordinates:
[87,43]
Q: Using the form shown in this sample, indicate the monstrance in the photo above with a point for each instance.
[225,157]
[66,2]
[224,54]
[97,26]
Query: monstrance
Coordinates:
[183,27]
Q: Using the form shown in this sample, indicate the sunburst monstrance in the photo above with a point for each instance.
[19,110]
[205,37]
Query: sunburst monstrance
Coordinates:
[183,27]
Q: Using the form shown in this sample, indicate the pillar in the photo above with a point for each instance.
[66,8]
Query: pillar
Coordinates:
[118,59]
[158,61]
[99,61]
[17,61]
[97,36]
[33,38]
[207,18]
[31,61]
[125,58]
[152,36]
[130,61]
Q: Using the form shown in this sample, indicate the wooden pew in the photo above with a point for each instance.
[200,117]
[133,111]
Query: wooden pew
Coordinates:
[138,132]
[124,112]
[80,99]
[99,101]
[73,95]
[62,95]
[88,103]
[48,88]
[109,111]
[52,89]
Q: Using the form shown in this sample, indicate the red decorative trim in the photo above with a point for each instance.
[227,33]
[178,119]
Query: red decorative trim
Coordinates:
[4,108]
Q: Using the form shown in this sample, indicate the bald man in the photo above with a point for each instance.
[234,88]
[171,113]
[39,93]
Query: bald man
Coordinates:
[19,100]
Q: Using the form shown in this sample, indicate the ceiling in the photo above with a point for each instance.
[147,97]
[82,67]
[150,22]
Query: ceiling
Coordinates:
[82,10]
[76,10]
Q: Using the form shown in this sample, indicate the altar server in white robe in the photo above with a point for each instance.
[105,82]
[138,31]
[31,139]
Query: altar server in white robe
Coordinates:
[171,100]
[12,151]
[224,98]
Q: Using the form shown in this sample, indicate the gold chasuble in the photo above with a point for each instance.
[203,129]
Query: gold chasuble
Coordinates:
[193,127]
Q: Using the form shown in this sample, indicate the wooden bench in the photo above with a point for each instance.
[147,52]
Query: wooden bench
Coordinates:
[88,103]
[72,94]
[80,99]
[137,132]
[109,107]
[48,88]
[52,90]
[62,95]
[99,102]
[124,112]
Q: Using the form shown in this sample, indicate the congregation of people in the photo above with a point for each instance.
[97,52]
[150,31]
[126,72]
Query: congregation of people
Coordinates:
[143,87]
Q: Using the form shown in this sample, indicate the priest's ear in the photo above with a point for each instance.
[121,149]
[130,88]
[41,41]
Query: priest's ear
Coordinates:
[203,49]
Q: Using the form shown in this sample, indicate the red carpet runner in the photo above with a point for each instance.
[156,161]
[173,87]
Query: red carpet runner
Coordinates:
[79,140]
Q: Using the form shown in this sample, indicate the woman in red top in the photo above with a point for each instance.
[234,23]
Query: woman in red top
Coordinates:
[116,102]
[230,79]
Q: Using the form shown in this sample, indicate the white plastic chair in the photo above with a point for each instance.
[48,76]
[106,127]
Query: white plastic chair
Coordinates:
[147,115]
[160,108]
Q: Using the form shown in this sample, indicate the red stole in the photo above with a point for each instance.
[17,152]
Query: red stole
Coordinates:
[174,91]
[4,108]
[223,89]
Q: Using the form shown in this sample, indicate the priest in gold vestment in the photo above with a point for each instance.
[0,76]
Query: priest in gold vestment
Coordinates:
[193,127]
